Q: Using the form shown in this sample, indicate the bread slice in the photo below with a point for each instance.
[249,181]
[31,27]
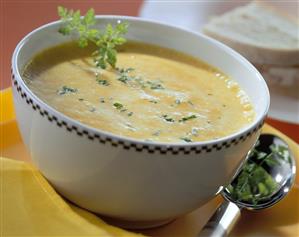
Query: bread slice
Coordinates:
[260,33]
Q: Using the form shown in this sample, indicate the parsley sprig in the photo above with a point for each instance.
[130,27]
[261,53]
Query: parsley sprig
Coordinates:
[105,41]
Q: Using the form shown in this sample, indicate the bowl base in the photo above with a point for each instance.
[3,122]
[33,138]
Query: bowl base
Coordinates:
[135,225]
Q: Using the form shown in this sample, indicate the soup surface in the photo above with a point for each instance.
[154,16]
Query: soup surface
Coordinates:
[154,94]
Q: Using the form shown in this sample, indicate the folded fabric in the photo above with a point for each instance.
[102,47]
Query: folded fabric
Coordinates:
[30,207]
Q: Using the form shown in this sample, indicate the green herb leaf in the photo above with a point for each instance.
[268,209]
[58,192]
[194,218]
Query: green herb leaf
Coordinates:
[167,118]
[125,77]
[121,108]
[125,70]
[108,41]
[154,85]
[102,100]
[105,41]
[118,106]
[186,139]
[103,82]
[124,74]
[66,90]
[184,119]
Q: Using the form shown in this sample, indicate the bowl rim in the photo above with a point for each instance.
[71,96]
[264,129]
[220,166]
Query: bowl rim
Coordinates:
[248,129]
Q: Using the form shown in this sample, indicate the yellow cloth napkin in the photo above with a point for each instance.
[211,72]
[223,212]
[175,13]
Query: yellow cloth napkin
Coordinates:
[31,207]
[7,112]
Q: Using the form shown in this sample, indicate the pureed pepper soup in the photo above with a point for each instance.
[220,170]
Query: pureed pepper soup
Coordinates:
[154,93]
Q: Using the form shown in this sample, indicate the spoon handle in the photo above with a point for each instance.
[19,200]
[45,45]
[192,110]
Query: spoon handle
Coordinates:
[222,221]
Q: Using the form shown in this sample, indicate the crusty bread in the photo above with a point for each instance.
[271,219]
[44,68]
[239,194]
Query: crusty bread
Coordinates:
[258,32]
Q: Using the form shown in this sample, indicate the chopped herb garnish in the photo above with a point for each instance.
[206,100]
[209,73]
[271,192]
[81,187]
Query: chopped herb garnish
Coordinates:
[282,152]
[167,118]
[104,41]
[153,101]
[184,119]
[66,90]
[124,70]
[124,77]
[186,139]
[121,108]
[80,99]
[102,100]
[140,82]
[154,85]
[103,82]
[254,182]
[118,106]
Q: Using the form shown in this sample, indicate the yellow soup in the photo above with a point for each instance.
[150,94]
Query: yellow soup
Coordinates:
[154,93]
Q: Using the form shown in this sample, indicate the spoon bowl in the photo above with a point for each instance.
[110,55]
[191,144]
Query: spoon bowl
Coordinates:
[282,171]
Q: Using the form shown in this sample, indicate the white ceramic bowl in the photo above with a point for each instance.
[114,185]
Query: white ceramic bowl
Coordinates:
[123,178]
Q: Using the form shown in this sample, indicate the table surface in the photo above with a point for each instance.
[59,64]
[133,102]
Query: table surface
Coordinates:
[18,17]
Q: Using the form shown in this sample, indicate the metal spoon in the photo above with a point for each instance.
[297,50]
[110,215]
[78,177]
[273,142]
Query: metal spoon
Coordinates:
[228,213]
